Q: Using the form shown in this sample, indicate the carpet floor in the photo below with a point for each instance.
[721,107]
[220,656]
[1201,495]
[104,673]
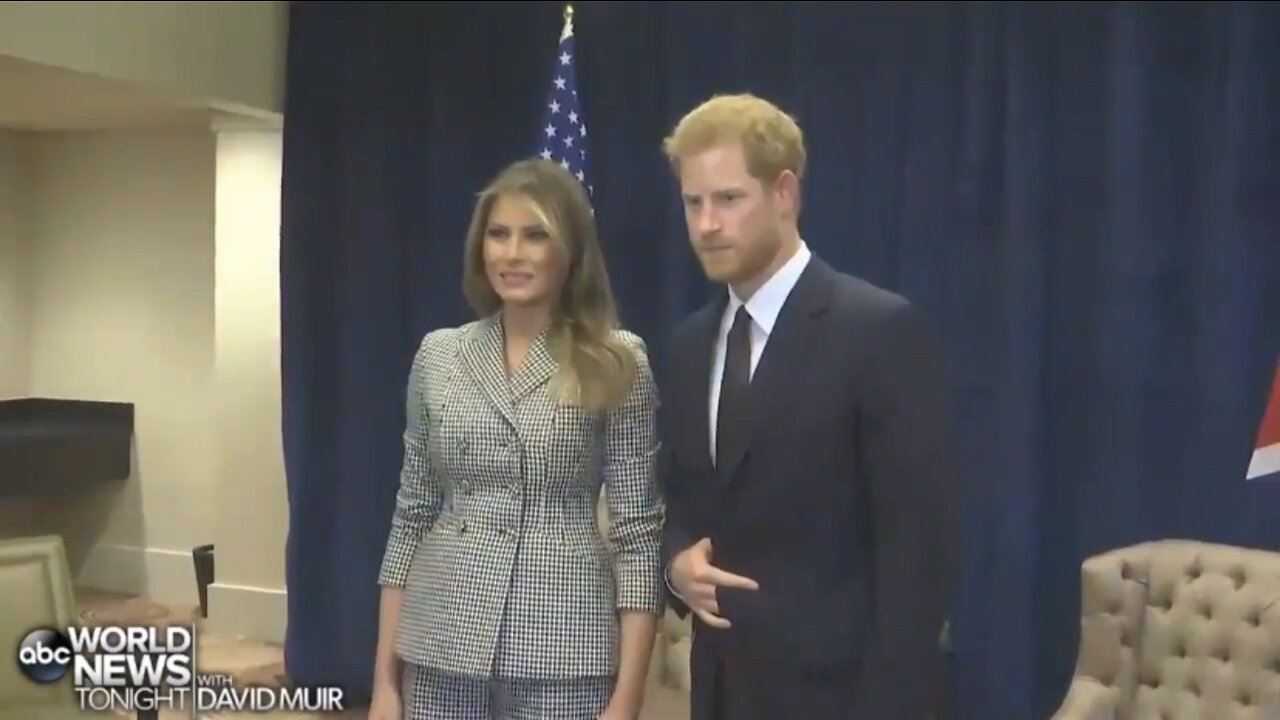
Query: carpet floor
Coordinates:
[253,662]
[250,662]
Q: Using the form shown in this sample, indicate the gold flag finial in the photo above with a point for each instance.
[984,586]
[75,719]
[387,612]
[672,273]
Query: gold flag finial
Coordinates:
[567,31]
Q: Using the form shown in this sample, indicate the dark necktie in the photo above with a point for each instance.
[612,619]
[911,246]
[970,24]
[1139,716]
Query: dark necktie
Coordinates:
[733,421]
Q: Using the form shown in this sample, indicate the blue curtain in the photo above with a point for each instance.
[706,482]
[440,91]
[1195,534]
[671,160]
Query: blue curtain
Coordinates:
[1084,197]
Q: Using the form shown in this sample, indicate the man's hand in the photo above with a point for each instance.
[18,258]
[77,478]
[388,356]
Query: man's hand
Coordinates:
[696,580]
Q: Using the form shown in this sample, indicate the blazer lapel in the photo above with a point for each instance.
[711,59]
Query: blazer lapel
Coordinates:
[794,340]
[484,357]
[535,371]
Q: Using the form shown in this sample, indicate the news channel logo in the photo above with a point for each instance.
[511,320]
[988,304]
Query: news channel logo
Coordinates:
[45,655]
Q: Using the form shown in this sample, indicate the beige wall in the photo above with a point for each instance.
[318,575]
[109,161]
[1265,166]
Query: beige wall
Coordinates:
[139,266]
[15,334]
[228,54]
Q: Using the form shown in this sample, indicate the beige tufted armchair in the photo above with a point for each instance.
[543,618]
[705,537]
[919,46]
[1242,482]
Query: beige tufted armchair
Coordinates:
[1178,630]
[670,680]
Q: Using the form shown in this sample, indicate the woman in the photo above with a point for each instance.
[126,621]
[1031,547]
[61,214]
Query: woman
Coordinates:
[500,599]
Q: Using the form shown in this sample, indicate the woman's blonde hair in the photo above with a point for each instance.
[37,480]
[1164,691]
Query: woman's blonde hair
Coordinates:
[596,368]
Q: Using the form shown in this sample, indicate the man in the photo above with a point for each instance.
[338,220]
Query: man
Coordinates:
[805,463]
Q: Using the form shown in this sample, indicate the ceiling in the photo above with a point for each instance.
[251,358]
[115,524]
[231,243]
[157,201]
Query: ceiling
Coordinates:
[41,97]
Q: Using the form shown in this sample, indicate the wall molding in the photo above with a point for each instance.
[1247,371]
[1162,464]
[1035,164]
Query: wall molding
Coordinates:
[164,576]
[248,612]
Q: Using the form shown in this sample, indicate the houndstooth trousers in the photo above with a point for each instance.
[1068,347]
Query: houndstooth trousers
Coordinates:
[429,694]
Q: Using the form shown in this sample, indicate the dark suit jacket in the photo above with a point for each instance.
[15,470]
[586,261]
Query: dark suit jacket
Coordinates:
[838,508]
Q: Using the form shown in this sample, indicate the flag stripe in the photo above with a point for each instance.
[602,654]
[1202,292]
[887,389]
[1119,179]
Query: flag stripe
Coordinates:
[1269,433]
[1265,461]
[1266,453]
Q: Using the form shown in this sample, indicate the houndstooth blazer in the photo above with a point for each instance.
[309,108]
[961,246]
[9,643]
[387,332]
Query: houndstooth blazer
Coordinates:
[494,536]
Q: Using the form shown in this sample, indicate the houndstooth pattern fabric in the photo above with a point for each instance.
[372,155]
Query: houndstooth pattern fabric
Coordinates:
[433,695]
[494,535]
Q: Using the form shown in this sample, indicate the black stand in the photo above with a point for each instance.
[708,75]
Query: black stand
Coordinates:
[202,556]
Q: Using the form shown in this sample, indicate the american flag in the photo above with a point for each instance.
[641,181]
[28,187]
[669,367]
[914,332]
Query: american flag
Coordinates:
[563,137]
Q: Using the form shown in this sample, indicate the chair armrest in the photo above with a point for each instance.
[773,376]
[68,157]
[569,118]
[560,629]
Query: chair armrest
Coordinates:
[1088,699]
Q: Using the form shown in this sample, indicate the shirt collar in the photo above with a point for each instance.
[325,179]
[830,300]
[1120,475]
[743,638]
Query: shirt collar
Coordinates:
[765,305]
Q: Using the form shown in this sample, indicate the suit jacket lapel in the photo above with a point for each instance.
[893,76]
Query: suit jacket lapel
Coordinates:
[795,338]
[484,357]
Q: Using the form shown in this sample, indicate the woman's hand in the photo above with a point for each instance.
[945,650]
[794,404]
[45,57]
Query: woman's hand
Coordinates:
[614,712]
[385,704]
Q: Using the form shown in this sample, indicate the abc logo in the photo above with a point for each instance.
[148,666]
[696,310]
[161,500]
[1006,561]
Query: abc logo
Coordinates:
[44,655]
